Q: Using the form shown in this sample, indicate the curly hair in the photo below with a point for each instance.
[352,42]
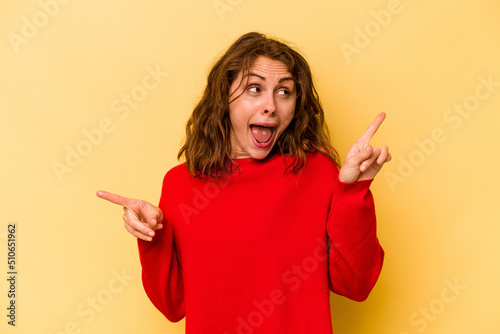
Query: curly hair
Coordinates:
[207,149]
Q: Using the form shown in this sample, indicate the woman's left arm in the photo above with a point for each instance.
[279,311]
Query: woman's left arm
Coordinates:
[355,255]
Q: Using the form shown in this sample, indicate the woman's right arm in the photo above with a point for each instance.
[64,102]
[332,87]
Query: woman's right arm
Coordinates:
[161,270]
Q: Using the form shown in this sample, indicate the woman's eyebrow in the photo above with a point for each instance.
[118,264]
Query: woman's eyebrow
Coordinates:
[285,79]
[263,78]
[255,75]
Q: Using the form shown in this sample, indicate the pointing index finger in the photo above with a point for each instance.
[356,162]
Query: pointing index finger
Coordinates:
[113,198]
[372,128]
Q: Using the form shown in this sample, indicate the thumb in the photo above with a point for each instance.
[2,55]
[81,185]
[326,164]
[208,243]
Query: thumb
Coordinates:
[153,215]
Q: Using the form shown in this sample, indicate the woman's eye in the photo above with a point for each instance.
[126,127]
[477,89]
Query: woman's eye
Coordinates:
[284,92]
[254,89]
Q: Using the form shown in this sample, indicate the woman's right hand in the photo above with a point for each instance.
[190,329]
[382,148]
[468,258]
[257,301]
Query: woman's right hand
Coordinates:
[141,218]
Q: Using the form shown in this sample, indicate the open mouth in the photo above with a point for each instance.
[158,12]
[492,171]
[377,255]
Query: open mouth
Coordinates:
[262,134]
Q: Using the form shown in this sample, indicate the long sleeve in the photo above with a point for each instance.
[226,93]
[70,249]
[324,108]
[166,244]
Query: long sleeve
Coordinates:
[355,255]
[248,255]
[161,270]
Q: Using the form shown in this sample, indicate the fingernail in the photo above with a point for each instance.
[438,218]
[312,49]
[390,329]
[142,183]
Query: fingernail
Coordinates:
[367,149]
[151,234]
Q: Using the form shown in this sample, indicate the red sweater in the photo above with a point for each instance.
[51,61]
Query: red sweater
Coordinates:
[259,253]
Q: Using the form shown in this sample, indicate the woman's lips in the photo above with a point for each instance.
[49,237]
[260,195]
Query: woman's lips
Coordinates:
[262,135]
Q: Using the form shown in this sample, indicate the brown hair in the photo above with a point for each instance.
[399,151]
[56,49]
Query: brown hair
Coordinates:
[208,146]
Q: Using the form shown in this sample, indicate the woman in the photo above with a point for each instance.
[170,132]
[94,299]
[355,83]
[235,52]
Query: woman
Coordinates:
[259,223]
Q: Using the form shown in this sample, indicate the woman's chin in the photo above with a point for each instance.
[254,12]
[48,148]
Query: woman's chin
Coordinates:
[254,151]
[260,153]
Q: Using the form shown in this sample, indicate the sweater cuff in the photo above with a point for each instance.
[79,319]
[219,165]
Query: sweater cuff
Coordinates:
[353,187]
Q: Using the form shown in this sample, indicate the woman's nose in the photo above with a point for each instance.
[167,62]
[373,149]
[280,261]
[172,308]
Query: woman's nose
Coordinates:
[269,106]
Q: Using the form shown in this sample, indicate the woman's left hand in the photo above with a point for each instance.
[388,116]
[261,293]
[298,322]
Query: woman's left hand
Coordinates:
[363,161]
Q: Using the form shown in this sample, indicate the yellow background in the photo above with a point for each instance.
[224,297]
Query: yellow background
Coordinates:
[438,222]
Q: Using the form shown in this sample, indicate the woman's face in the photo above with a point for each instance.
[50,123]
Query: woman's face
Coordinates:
[263,111]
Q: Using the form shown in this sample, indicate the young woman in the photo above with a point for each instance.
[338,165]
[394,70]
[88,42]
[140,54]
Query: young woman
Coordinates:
[259,223]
